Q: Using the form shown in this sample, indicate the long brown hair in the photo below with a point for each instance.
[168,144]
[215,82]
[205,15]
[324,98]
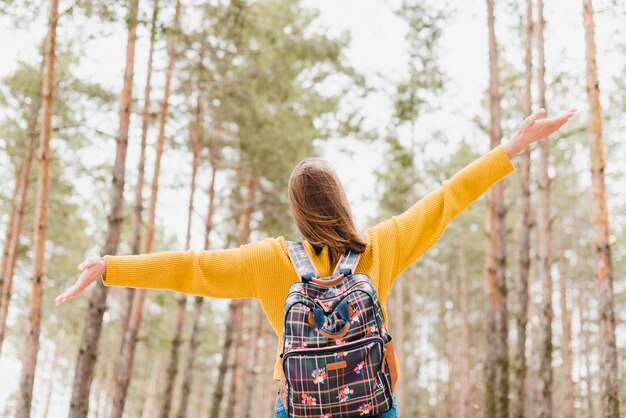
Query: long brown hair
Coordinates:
[320,208]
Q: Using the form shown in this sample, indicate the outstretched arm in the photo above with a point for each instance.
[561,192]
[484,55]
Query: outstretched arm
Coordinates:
[407,236]
[213,273]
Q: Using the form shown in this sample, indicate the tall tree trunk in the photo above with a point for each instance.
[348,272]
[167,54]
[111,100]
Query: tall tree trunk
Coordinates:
[31,348]
[566,338]
[609,384]
[134,323]
[172,368]
[136,222]
[464,401]
[544,403]
[238,367]
[198,303]
[218,392]
[236,359]
[87,354]
[235,311]
[497,364]
[519,359]
[16,221]
[191,355]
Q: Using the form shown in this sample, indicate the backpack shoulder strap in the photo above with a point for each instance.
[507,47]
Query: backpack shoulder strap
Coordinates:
[348,261]
[301,260]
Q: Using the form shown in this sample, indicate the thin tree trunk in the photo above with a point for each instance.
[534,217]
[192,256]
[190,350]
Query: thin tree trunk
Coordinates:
[235,311]
[519,360]
[87,354]
[189,363]
[127,354]
[16,221]
[136,222]
[496,370]
[236,360]
[31,348]
[197,313]
[218,393]
[609,385]
[172,369]
[544,403]
[134,323]
[566,338]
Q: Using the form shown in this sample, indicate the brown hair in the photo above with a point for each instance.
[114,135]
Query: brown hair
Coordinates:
[320,208]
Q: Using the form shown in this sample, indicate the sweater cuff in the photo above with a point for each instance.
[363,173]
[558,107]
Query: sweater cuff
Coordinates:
[501,162]
[114,267]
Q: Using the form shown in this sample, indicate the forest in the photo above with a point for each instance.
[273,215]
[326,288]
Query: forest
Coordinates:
[139,126]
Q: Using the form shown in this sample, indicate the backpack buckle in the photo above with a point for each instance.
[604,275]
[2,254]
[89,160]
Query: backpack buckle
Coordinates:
[307,277]
[345,271]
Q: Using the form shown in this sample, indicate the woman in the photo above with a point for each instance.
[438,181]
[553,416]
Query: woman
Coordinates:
[322,214]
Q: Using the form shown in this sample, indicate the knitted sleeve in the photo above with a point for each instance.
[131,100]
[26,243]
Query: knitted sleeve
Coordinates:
[219,273]
[406,237]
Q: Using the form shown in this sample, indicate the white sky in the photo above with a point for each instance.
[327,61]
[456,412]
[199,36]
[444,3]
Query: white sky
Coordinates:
[378,47]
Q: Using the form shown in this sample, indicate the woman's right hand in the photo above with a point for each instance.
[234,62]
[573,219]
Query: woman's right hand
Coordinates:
[535,127]
[92,268]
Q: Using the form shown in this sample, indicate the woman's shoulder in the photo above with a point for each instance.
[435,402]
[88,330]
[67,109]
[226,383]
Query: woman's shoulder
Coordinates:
[268,249]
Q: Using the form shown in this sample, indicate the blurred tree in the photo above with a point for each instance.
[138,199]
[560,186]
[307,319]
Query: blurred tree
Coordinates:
[602,253]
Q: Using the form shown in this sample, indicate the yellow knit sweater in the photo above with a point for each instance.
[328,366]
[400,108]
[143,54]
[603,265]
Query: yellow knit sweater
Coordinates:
[262,269]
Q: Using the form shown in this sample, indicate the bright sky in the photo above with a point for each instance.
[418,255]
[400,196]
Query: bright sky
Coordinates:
[378,48]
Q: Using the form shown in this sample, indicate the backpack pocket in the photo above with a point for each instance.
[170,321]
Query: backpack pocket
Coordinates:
[343,380]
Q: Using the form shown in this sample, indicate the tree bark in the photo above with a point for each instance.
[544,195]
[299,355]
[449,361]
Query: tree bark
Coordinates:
[136,222]
[235,311]
[198,303]
[545,381]
[16,221]
[519,359]
[497,363]
[87,354]
[172,368]
[134,323]
[31,348]
[609,384]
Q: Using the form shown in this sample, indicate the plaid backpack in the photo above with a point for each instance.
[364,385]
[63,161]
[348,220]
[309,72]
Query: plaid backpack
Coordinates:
[338,359]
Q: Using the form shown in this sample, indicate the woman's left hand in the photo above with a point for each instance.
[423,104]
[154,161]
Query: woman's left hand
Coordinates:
[534,128]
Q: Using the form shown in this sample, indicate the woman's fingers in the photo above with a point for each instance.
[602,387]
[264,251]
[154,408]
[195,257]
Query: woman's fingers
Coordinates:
[90,261]
[88,276]
[533,118]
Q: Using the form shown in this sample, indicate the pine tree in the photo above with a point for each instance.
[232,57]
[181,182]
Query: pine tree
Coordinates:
[31,349]
[602,250]
[87,354]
